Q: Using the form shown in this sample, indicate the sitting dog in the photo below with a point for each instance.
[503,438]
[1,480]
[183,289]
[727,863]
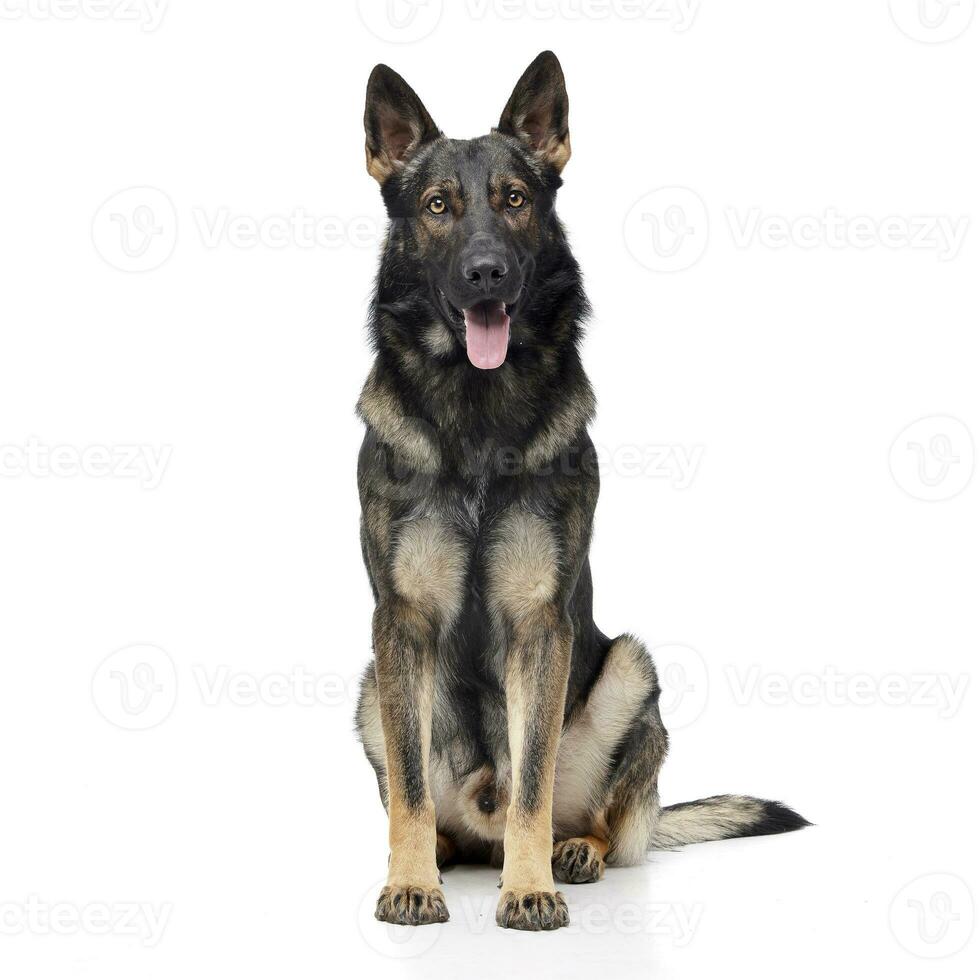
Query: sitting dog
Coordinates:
[503,726]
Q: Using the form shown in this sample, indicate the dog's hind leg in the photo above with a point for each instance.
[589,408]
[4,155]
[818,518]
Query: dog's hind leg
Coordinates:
[619,732]
[606,800]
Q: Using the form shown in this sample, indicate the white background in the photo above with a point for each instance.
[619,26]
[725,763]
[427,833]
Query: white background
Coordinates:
[817,601]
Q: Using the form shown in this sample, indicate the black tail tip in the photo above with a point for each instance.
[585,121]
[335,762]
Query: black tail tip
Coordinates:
[777,818]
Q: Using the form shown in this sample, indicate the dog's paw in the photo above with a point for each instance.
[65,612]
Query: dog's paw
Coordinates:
[577,861]
[532,911]
[409,905]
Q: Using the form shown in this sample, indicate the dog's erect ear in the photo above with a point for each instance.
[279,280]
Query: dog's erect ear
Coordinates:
[537,111]
[396,123]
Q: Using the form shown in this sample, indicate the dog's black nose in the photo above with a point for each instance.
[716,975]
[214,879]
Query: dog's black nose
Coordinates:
[485,270]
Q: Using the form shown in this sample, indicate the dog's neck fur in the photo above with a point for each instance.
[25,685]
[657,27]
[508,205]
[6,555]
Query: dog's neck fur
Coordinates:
[435,409]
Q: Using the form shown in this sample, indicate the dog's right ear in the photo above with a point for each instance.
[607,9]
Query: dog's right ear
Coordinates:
[396,123]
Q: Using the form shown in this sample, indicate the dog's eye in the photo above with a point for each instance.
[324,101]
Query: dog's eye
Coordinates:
[516,199]
[436,205]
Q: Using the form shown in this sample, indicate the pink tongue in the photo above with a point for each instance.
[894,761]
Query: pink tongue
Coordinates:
[487,334]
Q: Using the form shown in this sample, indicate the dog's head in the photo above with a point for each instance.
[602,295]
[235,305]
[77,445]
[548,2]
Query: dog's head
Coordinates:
[477,215]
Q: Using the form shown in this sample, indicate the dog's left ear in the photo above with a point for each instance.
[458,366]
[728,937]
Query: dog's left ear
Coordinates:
[396,123]
[537,112]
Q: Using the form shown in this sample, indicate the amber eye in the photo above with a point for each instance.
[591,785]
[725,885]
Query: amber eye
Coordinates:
[436,205]
[516,199]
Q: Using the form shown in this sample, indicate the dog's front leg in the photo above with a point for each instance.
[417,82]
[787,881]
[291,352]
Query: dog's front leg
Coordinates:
[537,667]
[404,644]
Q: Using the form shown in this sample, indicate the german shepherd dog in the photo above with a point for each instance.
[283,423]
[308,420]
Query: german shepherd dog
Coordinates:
[503,726]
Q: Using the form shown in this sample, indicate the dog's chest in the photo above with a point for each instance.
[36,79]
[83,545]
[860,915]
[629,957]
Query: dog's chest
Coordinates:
[472,502]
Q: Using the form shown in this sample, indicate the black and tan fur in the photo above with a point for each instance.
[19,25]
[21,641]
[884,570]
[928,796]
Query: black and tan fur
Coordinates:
[503,725]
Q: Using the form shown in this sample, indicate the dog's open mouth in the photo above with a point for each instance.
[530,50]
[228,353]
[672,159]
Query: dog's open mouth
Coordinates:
[486,329]
[487,334]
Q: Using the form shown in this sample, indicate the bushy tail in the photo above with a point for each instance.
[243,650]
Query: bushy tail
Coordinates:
[721,817]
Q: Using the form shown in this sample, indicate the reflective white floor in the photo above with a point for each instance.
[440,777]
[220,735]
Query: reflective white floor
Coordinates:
[810,903]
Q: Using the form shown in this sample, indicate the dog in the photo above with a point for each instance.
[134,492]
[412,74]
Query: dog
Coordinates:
[503,726]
